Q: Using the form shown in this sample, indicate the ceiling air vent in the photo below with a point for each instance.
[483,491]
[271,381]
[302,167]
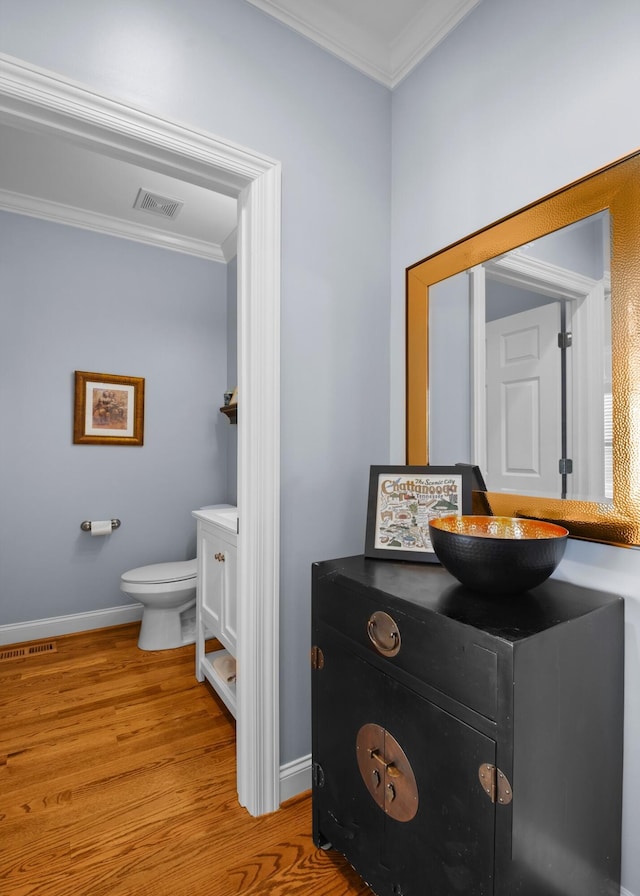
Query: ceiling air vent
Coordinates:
[157,205]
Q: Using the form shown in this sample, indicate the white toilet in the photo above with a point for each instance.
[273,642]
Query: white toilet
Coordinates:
[167,591]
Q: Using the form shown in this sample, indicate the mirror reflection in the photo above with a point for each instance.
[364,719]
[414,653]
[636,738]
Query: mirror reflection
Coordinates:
[576,234]
[524,342]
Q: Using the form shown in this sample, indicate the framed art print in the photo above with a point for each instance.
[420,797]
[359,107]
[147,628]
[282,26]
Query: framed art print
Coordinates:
[108,409]
[402,500]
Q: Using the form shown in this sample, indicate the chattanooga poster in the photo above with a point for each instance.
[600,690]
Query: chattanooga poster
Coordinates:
[405,504]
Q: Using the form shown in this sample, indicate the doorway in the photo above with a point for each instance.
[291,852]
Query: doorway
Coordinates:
[47,104]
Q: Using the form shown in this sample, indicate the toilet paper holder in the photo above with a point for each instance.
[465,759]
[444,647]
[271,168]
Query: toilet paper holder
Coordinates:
[86,525]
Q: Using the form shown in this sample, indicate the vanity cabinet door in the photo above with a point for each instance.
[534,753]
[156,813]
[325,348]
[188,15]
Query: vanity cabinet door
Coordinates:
[218,587]
[216,605]
[396,785]
[228,596]
[212,581]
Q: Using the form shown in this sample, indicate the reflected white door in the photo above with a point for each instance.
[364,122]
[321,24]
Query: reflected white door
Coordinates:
[524,402]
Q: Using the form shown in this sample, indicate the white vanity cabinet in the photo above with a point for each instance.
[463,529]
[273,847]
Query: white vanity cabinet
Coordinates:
[216,607]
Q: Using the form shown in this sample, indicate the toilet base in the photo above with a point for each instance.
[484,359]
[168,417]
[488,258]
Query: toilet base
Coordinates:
[163,629]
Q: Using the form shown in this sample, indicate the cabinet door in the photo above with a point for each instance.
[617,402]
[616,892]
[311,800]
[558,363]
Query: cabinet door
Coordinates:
[218,586]
[228,628]
[213,576]
[447,846]
[345,697]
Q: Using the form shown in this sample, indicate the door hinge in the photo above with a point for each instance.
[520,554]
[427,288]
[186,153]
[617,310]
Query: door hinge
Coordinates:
[495,784]
[565,340]
[317,658]
[565,465]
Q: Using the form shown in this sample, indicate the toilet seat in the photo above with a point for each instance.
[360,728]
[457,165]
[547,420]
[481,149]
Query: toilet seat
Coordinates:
[159,573]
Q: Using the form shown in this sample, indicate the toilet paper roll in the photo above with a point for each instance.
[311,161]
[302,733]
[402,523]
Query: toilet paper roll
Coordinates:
[101,527]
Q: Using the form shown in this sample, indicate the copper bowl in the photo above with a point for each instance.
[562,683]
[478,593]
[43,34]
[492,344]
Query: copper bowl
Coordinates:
[498,554]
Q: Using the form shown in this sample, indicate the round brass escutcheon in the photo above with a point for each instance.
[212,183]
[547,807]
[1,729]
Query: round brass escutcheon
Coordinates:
[386,772]
[384,633]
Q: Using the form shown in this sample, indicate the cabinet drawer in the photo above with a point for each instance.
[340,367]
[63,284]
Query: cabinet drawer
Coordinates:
[437,651]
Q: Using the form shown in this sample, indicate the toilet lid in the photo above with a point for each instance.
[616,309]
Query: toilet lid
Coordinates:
[162,572]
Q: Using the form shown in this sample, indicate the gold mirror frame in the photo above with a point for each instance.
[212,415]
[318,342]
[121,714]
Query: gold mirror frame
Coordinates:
[616,188]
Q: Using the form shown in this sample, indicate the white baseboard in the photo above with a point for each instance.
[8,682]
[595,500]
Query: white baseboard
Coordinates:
[39,629]
[295,777]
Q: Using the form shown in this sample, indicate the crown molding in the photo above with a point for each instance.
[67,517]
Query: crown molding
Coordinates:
[333,33]
[43,101]
[230,245]
[77,217]
[387,62]
[528,272]
[424,33]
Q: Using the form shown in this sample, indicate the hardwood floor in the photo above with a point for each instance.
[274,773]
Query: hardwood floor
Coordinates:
[117,776]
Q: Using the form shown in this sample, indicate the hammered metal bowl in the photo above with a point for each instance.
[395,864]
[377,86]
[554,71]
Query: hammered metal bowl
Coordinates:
[498,554]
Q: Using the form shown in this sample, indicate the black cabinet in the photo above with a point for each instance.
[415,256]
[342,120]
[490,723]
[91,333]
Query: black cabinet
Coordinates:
[464,744]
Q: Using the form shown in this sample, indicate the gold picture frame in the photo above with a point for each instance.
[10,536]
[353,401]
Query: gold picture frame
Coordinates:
[108,409]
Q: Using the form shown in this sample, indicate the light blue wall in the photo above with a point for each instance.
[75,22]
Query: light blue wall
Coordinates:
[77,300]
[450,372]
[223,66]
[520,100]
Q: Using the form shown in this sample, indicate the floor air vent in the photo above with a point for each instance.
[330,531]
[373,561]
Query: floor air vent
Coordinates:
[16,653]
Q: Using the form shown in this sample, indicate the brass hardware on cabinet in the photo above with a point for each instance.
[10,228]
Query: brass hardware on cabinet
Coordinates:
[389,767]
[384,633]
[317,775]
[317,658]
[220,557]
[495,784]
[386,772]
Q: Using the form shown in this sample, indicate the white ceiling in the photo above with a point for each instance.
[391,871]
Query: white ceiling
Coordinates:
[59,181]
[56,180]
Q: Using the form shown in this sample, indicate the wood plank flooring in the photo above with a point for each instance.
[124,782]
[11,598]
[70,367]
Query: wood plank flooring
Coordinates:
[117,778]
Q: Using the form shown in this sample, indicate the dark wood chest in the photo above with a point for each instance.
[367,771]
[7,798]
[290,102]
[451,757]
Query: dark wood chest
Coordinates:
[464,744]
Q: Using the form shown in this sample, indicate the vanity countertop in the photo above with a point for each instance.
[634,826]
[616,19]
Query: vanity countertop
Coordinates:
[225,515]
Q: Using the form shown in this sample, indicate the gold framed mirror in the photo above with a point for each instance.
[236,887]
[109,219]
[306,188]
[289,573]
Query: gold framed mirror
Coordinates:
[616,190]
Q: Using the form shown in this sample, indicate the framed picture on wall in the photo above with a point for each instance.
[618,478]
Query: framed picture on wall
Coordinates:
[402,500]
[108,409]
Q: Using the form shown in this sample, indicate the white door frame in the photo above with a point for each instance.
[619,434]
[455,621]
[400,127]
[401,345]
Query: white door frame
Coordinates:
[47,103]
